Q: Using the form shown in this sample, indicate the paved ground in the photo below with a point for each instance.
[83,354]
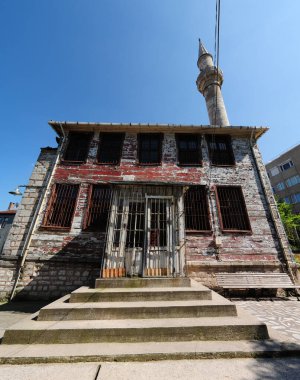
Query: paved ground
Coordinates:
[221,369]
[13,312]
[281,315]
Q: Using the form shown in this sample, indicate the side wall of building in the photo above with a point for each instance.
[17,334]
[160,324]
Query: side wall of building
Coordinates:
[10,257]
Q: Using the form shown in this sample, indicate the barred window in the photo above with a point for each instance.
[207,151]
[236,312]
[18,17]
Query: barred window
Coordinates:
[61,207]
[99,201]
[150,145]
[220,150]
[110,148]
[78,146]
[232,209]
[189,149]
[196,209]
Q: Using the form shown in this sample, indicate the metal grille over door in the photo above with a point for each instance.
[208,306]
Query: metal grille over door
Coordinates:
[159,245]
[143,232]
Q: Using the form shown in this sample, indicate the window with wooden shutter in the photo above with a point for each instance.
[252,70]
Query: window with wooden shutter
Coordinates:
[150,146]
[98,208]
[220,150]
[232,209]
[189,149]
[61,207]
[78,147]
[196,209]
[110,148]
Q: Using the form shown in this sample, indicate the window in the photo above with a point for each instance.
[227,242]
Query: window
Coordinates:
[287,200]
[286,165]
[99,200]
[274,171]
[78,147]
[61,206]
[280,186]
[110,148]
[150,145]
[292,181]
[220,150]
[196,209]
[189,149]
[232,209]
[295,198]
[3,221]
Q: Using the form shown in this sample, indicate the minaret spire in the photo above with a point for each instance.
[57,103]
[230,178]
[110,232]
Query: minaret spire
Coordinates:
[202,49]
[209,83]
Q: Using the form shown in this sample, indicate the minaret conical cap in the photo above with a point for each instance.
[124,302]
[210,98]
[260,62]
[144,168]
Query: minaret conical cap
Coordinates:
[202,49]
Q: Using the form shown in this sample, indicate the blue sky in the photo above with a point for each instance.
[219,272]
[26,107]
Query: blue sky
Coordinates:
[135,61]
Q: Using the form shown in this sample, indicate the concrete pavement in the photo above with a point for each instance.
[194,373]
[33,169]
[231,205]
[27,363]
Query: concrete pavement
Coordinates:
[237,369]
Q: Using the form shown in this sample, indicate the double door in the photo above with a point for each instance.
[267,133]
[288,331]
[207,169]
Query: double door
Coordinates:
[141,236]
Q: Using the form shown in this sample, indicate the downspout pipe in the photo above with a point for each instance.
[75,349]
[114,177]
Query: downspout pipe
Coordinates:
[285,256]
[24,251]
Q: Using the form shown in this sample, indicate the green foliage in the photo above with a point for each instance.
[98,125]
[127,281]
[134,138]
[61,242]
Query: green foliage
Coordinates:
[291,223]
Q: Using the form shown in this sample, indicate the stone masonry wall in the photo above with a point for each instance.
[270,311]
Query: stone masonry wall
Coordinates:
[12,249]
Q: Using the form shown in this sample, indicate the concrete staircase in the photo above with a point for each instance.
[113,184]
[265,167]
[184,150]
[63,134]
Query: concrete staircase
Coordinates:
[125,318]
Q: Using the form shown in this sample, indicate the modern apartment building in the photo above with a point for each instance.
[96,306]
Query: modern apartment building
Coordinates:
[284,174]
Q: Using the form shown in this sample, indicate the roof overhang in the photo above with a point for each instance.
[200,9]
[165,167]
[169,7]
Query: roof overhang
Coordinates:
[233,130]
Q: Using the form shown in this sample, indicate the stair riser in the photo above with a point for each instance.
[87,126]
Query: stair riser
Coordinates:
[140,296]
[143,282]
[167,334]
[138,313]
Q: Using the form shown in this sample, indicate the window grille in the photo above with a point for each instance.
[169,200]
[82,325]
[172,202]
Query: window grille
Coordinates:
[110,148]
[196,209]
[150,146]
[232,209]
[98,208]
[61,206]
[78,146]
[220,150]
[189,149]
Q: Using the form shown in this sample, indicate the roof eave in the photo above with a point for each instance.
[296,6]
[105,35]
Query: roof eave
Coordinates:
[247,131]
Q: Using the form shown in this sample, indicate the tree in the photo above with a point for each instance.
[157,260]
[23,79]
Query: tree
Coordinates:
[291,223]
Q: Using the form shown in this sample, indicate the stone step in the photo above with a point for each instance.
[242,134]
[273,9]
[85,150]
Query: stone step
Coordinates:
[58,311]
[156,282]
[85,294]
[142,352]
[31,331]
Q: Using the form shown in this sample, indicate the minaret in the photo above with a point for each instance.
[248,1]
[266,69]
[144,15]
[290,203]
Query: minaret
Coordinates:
[209,83]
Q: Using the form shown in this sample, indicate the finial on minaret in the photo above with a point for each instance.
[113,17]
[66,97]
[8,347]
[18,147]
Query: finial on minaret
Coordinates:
[202,49]
[209,83]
